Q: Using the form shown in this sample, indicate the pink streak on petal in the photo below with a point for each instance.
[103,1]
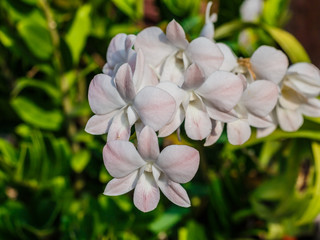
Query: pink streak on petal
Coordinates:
[238,132]
[148,145]
[176,35]
[119,186]
[124,83]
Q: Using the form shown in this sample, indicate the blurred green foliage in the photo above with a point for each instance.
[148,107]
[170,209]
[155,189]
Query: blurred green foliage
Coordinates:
[51,171]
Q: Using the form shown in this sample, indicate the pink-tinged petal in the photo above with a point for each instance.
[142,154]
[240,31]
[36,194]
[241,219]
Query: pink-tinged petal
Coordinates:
[154,106]
[107,69]
[146,194]
[238,132]
[206,54]
[119,128]
[269,63]
[230,60]
[154,45]
[289,120]
[217,128]
[99,124]
[263,132]
[103,95]
[311,108]
[179,162]
[176,35]
[121,158]
[143,75]
[138,127]
[176,92]
[219,115]
[260,97]
[222,89]
[260,122]
[305,77]
[290,98]
[148,145]
[172,70]
[193,78]
[174,191]
[119,186]
[174,124]
[132,115]
[124,83]
[197,123]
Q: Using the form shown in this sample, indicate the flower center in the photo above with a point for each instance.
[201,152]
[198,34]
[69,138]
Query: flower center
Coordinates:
[148,167]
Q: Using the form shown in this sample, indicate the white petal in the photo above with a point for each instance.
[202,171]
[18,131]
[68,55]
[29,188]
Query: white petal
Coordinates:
[260,122]
[217,128]
[311,108]
[193,77]
[99,124]
[269,63]
[154,45]
[146,194]
[179,162]
[103,95]
[305,77]
[197,123]
[176,35]
[263,132]
[250,10]
[260,97]
[176,92]
[238,131]
[119,186]
[230,60]
[148,145]
[132,115]
[119,128]
[174,191]
[290,98]
[289,120]
[154,106]
[222,89]
[124,83]
[172,70]
[206,54]
[121,158]
[174,124]
[219,115]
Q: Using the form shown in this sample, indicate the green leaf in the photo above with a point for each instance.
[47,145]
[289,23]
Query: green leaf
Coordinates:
[29,112]
[80,160]
[8,153]
[79,32]
[36,37]
[229,29]
[289,44]
[313,208]
[168,219]
[132,8]
[46,87]
[269,148]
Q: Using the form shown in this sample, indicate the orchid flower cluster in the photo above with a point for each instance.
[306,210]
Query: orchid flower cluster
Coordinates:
[157,81]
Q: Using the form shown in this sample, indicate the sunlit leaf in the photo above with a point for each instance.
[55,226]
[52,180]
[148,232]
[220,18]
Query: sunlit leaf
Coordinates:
[229,29]
[80,160]
[29,112]
[80,29]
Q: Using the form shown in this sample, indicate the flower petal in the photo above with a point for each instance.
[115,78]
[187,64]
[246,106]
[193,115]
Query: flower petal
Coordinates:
[260,97]
[217,128]
[154,106]
[230,60]
[172,70]
[154,45]
[103,95]
[132,115]
[148,145]
[193,77]
[119,128]
[119,186]
[222,89]
[197,123]
[219,115]
[305,77]
[260,122]
[174,191]
[269,63]
[146,194]
[289,120]
[311,108]
[179,162]
[238,131]
[176,35]
[121,158]
[99,124]
[206,54]
[124,83]
[174,124]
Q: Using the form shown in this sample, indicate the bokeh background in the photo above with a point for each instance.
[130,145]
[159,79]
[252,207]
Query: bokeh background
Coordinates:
[51,172]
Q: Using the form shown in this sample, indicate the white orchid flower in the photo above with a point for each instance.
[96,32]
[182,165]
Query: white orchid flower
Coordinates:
[147,170]
[208,28]
[130,97]
[119,52]
[204,98]
[171,54]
